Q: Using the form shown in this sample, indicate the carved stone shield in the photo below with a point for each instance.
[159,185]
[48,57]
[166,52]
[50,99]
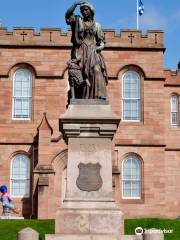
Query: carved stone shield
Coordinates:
[89,177]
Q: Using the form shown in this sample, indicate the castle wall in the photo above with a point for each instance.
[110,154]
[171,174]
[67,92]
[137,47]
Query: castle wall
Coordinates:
[45,54]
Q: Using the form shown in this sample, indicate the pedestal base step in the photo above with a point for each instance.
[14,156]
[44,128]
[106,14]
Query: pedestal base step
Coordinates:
[80,237]
[92,237]
[89,222]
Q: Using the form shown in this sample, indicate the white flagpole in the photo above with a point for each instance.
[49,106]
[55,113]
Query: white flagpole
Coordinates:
[137,14]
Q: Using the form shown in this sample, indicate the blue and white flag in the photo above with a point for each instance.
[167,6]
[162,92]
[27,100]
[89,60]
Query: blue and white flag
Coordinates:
[141,8]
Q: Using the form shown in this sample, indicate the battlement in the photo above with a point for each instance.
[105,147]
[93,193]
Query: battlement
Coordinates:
[172,77]
[55,37]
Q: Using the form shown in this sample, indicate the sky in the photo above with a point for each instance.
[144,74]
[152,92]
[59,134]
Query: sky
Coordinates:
[111,14]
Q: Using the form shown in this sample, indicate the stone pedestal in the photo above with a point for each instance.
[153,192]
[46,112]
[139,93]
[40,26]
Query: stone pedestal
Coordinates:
[27,234]
[89,221]
[82,237]
[89,209]
[153,234]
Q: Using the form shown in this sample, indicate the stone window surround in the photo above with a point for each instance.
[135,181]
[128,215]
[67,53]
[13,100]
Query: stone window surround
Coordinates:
[118,191]
[135,99]
[29,97]
[176,111]
[11,73]
[140,72]
[140,177]
[28,178]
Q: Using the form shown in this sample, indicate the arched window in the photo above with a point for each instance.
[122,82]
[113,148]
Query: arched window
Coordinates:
[131,96]
[20,176]
[174,110]
[131,177]
[22,94]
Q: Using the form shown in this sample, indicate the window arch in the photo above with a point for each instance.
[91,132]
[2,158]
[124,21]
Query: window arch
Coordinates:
[20,176]
[131,96]
[131,177]
[174,110]
[22,95]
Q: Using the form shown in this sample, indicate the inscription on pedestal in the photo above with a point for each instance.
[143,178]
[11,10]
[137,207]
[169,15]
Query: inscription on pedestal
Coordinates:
[89,177]
[88,148]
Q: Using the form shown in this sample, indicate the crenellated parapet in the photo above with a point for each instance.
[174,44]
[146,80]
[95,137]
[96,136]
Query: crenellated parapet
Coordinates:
[134,39]
[28,37]
[172,77]
[55,37]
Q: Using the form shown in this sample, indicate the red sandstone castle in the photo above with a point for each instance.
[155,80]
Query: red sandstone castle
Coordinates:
[33,96]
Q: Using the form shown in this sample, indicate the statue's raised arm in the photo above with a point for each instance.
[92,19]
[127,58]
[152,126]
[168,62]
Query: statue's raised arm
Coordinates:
[70,13]
[87,69]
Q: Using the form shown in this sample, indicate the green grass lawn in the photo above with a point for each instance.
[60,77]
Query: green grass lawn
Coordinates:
[9,228]
[174,224]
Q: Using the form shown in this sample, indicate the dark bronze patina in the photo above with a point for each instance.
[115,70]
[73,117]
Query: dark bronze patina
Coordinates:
[89,177]
[86,68]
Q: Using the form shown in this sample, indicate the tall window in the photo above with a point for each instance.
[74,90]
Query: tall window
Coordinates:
[20,176]
[131,177]
[174,110]
[22,94]
[131,96]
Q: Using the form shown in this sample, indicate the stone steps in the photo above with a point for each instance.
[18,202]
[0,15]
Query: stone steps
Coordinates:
[91,237]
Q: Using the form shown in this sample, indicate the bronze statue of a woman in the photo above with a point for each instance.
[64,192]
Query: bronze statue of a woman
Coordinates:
[87,70]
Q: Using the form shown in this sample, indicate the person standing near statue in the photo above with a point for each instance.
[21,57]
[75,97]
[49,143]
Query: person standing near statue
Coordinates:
[87,70]
[6,200]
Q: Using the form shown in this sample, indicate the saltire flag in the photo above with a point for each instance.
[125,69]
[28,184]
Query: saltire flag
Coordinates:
[141,8]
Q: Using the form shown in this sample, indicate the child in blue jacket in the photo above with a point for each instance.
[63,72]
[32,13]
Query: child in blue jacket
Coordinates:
[6,200]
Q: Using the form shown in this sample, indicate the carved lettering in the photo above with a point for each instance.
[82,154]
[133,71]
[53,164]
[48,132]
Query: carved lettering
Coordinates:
[88,148]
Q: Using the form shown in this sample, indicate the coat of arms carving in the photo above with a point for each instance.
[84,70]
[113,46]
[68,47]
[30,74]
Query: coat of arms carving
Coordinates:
[89,178]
